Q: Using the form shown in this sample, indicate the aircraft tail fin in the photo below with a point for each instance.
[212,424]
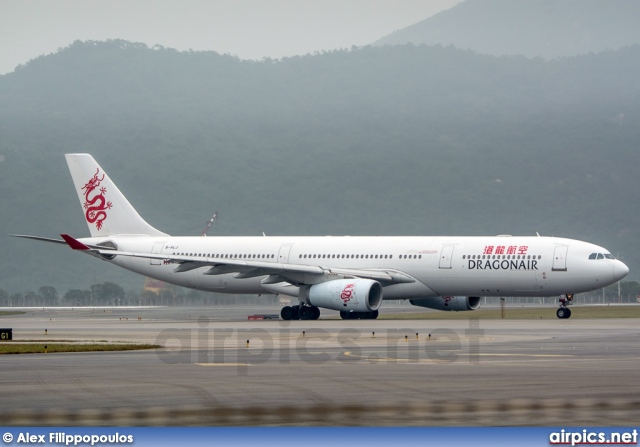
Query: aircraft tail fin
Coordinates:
[106,210]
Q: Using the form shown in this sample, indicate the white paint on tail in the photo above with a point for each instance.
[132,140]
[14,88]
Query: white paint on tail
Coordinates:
[106,210]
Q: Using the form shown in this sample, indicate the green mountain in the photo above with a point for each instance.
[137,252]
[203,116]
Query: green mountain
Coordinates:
[405,140]
[533,28]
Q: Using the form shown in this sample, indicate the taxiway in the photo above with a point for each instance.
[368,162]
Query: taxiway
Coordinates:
[214,357]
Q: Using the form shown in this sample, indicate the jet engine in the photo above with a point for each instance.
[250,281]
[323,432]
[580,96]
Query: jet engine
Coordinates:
[357,295]
[459,303]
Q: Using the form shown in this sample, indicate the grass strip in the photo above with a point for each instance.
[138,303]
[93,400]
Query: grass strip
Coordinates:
[39,348]
[515,313]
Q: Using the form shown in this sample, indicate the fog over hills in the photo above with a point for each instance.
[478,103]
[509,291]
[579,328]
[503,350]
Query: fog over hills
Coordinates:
[393,140]
[533,28]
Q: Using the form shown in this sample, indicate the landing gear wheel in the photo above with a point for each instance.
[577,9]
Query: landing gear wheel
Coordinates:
[305,313]
[563,312]
[286,313]
[309,313]
[290,313]
[359,315]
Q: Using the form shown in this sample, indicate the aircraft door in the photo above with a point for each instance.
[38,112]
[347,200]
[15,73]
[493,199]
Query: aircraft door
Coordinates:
[446,256]
[157,249]
[560,258]
[283,255]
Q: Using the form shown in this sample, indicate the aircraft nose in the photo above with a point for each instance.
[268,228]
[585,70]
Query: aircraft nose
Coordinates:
[620,270]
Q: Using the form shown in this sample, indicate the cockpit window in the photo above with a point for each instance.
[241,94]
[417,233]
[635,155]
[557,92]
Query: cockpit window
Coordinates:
[601,256]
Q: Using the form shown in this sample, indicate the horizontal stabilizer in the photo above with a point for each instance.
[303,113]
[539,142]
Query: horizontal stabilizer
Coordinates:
[74,243]
[62,241]
[39,238]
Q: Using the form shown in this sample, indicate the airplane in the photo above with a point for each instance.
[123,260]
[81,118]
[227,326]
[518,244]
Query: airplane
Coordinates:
[352,275]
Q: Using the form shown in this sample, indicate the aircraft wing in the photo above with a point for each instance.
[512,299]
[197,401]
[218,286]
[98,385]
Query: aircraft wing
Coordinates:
[246,268]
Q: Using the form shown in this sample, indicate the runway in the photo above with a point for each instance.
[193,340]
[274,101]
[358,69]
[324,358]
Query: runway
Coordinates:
[205,363]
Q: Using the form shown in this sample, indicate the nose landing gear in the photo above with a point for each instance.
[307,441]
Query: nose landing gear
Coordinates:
[563,311]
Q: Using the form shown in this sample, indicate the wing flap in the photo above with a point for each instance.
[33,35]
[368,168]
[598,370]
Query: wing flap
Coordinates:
[370,274]
[188,266]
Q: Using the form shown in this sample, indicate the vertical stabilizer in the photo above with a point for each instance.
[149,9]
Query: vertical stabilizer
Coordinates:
[105,208]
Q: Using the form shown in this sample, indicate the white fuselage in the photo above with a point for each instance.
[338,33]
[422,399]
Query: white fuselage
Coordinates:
[349,274]
[436,266]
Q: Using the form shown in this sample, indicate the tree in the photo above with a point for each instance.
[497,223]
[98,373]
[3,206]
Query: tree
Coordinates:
[629,291]
[4,298]
[148,298]
[49,295]
[31,299]
[108,294]
[16,299]
[76,297]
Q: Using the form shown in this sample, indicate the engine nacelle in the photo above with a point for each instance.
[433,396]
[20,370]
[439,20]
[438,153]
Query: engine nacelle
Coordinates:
[459,303]
[357,295]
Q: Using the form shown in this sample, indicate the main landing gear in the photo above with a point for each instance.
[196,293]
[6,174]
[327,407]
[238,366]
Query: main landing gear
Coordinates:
[359,315]
[563,311]
[300,312]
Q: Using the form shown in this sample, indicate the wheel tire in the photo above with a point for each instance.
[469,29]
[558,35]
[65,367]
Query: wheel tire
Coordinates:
[286,313]
[345,315]
[374,314]
[305,313]
[562,313]
[296,312]
[568,313]
[315,313]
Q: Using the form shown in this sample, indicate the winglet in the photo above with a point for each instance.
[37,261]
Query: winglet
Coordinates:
[74,243]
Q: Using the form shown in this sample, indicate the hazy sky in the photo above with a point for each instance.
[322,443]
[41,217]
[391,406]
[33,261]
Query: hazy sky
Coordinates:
[250,29]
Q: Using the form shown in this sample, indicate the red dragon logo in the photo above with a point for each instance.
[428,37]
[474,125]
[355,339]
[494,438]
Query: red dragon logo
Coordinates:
[347,292]
[97,205]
